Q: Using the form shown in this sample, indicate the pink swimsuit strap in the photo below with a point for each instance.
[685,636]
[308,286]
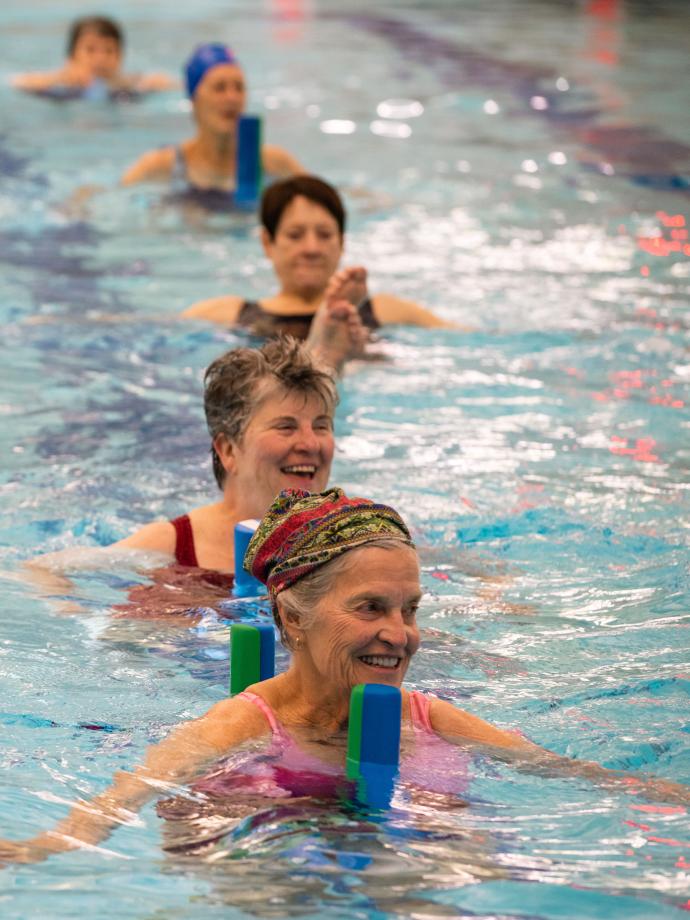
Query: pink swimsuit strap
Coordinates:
[419,712]
[420,706]
[260,703]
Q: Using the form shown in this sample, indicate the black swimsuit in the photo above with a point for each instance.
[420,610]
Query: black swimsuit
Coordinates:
[260,321]
[183,190]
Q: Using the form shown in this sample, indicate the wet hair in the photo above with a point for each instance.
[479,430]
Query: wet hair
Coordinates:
[279,195]
[301,598]
[101,25]
[234,390]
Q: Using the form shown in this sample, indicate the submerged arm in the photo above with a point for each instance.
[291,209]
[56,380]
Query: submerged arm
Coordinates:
[460,727]
[49,574]
[178,759]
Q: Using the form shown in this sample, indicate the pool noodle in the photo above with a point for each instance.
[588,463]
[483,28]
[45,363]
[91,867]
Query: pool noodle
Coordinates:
[252,655]
[249,168]
[373,737]
[245,585]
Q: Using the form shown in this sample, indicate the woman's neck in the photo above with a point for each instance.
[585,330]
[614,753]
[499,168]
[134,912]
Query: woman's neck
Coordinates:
[212,152]
[239,504]
[214,528]
[302,701]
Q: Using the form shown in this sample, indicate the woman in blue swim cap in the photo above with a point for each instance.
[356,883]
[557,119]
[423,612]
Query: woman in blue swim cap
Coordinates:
[216,86]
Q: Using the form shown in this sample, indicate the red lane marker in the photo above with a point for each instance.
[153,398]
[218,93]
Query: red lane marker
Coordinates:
[668,841]
[661,809]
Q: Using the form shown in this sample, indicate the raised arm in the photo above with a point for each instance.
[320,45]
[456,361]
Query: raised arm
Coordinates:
[178,759]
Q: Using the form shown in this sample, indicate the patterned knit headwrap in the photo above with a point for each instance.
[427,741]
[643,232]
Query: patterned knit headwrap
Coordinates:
[303,530]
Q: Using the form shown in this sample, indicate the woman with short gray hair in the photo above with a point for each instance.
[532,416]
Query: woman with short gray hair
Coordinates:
[269,413]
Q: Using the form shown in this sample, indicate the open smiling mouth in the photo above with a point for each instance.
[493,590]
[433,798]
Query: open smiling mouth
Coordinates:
[303,470]
[381,661]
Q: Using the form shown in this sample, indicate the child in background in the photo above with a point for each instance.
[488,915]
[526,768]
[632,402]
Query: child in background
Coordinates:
[95,49]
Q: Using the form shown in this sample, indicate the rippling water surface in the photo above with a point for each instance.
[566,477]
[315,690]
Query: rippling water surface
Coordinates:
[523,170]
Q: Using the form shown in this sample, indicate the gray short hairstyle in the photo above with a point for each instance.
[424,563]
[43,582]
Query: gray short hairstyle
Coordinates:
[301,599]
[234,386]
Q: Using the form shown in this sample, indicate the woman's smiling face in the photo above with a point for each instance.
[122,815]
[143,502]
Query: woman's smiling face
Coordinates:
[288,444]
[365,629]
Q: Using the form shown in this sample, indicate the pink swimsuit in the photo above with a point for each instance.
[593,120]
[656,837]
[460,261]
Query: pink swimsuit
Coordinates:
[284,769]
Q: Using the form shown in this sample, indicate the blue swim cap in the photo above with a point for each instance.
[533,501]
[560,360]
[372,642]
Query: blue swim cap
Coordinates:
[204,58]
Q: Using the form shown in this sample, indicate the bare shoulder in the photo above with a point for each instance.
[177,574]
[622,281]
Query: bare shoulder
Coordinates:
[159,536]
[278,162]
[389,309]
[156,164]
[230,722]
[458,725]
[225,310]
[226,725]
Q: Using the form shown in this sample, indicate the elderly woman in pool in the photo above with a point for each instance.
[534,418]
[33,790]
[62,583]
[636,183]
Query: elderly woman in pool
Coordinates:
[343,578]
[269,412]
[303,235]
[216,87]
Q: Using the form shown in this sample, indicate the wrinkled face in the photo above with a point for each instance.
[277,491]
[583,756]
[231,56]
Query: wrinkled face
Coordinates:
[365,629]
[306,248]
[98,54]
[220,98]
[288,444]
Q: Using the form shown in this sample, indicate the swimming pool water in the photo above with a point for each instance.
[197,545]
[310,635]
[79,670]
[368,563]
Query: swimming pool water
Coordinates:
[540,197]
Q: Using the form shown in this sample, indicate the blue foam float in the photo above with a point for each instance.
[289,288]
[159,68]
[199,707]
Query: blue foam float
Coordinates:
[245,585]
[373,742]
[249,170]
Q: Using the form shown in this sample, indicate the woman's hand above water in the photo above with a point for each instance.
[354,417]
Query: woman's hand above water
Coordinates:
[351,284]
[337,333]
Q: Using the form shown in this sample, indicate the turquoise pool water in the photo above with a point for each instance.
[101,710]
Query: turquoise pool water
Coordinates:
[522,170]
